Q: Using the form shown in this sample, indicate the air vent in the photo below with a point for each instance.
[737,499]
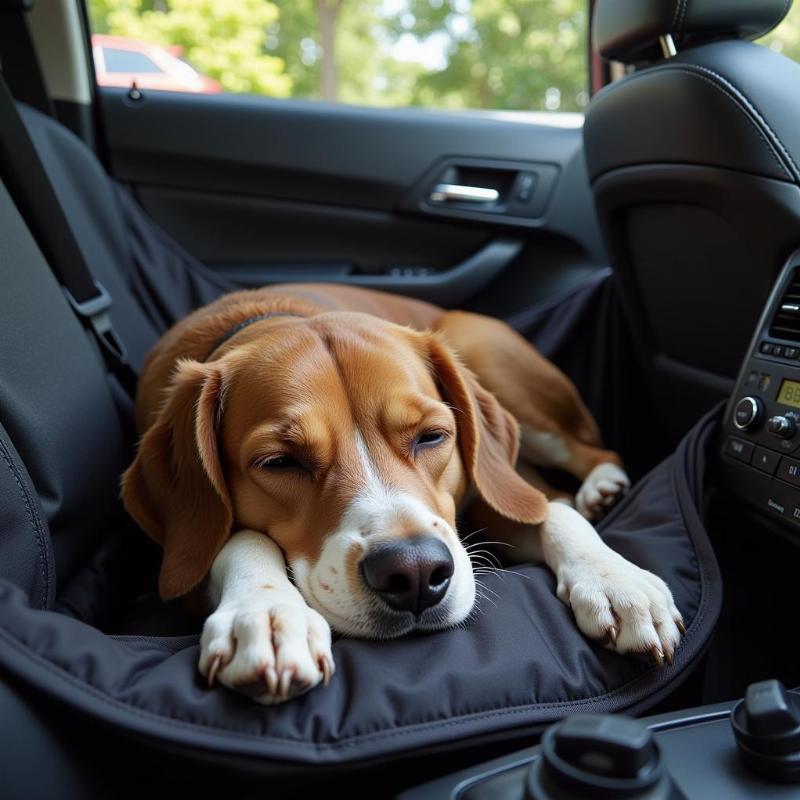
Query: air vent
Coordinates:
[786,322]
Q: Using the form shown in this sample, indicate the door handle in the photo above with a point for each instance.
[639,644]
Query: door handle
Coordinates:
[453,192]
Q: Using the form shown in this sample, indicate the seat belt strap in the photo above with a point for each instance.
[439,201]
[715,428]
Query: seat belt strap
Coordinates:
[26,178]
[20,64]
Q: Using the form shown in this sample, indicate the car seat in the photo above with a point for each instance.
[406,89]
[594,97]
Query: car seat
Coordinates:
[81,627]
[696,149]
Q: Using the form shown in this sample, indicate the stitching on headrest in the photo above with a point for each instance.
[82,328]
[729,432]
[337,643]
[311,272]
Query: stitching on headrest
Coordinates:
[684,8]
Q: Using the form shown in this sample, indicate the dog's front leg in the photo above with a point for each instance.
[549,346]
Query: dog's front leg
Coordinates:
[262,639]
[628,609]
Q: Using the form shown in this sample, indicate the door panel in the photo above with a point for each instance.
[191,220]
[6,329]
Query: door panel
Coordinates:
[267,191]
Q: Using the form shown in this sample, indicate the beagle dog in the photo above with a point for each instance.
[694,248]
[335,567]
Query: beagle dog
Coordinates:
[304,452]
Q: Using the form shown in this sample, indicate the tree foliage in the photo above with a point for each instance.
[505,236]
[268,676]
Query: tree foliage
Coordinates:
[504,54]
[491,54]
[785,38]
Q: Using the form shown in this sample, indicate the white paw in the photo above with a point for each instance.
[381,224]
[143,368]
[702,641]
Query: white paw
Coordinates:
[270,647]
[624,607]
[603,487]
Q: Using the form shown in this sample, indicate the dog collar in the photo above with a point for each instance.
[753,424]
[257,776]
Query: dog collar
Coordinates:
[245,324]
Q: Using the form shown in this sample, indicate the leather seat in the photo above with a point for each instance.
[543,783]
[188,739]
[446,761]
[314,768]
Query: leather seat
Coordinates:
[694,160]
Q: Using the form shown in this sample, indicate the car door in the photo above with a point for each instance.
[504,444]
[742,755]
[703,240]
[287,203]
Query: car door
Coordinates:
[486,209]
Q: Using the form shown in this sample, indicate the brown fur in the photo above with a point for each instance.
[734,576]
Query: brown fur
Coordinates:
[355,362]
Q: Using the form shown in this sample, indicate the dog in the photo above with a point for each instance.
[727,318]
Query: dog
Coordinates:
[304,452]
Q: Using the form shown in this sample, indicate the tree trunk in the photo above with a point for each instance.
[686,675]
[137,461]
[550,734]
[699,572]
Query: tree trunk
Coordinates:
[328,11]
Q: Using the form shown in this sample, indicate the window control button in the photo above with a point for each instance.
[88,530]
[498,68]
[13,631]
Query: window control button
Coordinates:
[743,451]
[766,460]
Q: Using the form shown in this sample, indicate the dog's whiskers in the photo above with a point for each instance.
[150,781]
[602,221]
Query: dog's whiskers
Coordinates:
[491,591]
[474,533]
[481,595]
[484,558]
[486,542]
[491,569]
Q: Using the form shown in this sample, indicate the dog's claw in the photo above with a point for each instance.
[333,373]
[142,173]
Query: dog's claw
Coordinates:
[285,683]
[609,636]
[326,668]
[658,656]
[213,669]
[681,626]
[271,679]
[668,657]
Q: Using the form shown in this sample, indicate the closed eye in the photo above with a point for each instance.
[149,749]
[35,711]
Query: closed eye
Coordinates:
[429,439]
[279,462]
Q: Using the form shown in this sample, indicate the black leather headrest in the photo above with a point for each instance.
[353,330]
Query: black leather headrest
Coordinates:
[628,30]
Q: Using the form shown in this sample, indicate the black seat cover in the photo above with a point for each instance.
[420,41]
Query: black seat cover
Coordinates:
[72,576]
[694,166]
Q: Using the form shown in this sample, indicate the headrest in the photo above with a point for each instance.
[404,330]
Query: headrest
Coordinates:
[629,30]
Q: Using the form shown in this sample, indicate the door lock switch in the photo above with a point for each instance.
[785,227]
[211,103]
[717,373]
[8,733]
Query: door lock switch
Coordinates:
[525,185]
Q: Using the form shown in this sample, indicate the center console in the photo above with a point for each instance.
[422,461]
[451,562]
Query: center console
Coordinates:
[736,751]
[761,428]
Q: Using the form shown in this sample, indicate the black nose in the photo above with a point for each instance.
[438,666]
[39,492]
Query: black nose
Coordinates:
[411,574]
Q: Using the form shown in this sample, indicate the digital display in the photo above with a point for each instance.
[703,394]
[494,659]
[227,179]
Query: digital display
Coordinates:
[789,394]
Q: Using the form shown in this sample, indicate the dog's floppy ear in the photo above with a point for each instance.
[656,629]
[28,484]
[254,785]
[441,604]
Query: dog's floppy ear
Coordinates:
[175,489]
[489,440]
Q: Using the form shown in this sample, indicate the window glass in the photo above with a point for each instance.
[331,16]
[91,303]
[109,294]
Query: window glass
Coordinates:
[785,38]
[483,54]
[127,61]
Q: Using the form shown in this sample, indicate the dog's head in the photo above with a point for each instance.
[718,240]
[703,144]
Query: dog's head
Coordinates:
[350,441]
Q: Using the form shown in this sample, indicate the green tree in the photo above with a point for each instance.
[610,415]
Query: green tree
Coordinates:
[785,38]
[356,66]
[224,39]
[503,54]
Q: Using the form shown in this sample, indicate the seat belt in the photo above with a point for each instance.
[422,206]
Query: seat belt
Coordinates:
[27,180]
[20,64]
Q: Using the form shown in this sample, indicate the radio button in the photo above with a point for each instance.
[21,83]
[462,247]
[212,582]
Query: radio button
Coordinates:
[791,352]
[766,460]
[748,413]
[790,470]
[767,348]
[743,451]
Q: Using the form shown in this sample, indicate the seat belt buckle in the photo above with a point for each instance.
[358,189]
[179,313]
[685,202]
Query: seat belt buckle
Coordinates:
[95,312]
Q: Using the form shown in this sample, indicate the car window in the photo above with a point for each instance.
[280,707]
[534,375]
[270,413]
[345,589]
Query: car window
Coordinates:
[458,54]
[785,39]
[127,61]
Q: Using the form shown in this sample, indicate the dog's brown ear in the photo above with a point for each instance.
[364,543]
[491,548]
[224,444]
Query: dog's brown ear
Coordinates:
[489,440]
[175,489]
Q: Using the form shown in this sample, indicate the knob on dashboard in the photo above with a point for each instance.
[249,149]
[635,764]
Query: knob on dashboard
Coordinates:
[599,755]
[748,413]
[782,426]
[767,729]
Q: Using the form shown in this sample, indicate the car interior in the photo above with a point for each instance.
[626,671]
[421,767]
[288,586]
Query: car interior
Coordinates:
[649,246]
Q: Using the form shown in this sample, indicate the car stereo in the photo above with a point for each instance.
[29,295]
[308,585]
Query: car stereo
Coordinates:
[761,428]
